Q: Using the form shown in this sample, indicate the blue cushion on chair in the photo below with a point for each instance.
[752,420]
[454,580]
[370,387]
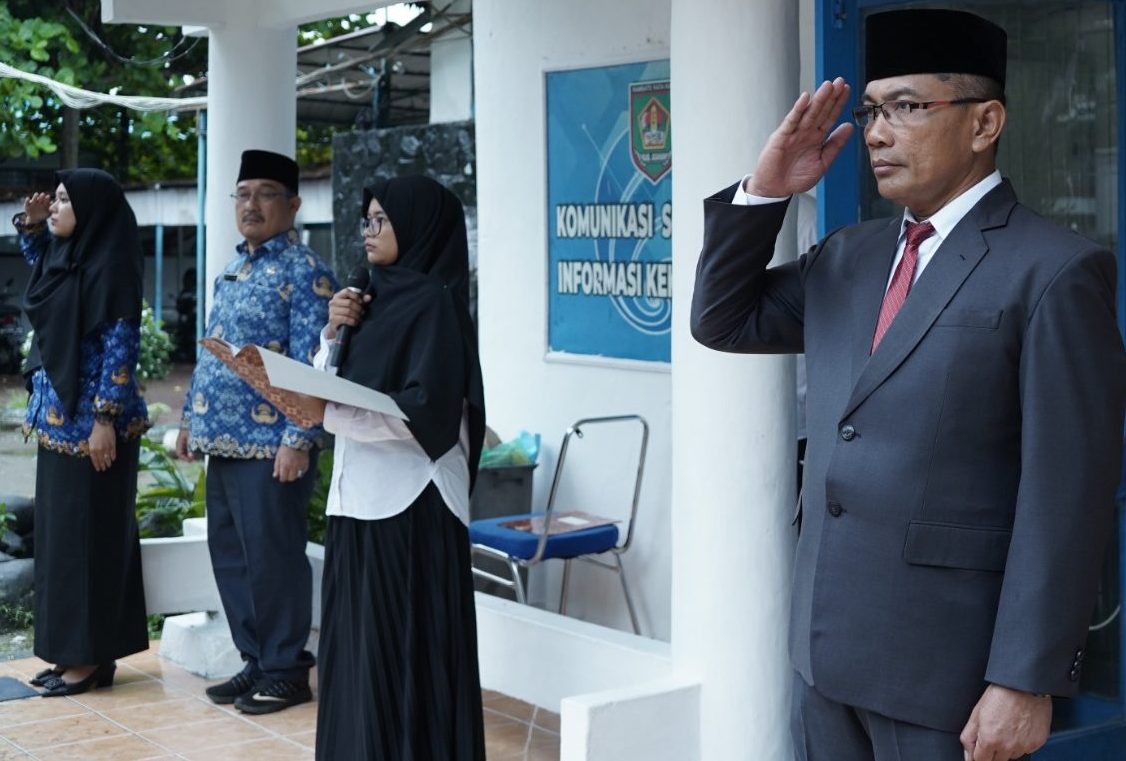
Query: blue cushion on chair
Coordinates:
[522,544]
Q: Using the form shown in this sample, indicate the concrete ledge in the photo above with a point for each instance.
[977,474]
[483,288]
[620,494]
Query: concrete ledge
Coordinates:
[542,657]
[200,643]
[316,555]
[177,573]
[195,528]
[178,578]
[658,721]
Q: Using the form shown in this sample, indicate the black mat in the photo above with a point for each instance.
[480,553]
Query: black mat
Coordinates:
[14,689]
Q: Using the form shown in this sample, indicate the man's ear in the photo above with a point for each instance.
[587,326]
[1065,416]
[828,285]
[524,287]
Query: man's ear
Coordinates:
[295,204]
[989,122]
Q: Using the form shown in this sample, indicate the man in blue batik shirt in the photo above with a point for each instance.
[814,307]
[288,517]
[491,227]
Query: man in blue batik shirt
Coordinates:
[262,467]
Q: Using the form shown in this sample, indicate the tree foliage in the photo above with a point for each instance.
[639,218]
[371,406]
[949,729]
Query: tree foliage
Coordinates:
[46,39]
[53,43]
[27,113]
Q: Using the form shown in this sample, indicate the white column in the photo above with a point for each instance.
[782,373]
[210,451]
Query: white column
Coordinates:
[250,104]
[451,73]
[734,74]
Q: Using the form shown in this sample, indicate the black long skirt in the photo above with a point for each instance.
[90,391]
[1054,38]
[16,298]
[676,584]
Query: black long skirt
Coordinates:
[397,668]
[89,597]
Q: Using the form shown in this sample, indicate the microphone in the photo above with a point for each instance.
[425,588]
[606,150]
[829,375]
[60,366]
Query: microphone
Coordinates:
[358,281]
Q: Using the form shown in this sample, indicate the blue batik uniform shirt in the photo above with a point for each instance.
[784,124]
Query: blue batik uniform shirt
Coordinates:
[275,297]
[107,381]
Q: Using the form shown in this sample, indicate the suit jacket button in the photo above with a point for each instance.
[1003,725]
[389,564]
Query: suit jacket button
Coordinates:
[1073,675]
[835,510]
[848,433]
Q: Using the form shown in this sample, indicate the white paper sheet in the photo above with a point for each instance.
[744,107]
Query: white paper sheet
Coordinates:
[291,375]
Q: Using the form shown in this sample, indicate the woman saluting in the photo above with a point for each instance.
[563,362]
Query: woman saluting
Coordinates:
[84,303]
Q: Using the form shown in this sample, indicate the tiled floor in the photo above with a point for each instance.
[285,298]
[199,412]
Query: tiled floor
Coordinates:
[157,711]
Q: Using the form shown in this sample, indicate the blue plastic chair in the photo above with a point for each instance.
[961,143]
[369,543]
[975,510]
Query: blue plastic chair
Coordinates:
[518,549]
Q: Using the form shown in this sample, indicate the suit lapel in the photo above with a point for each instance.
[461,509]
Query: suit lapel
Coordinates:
[952,263]
[868,286]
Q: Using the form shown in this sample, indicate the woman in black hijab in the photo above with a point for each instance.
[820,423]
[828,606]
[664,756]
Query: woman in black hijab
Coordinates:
[397,667]
[84,303]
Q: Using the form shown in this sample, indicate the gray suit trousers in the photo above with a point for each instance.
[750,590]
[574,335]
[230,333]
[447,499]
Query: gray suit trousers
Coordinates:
[825,730]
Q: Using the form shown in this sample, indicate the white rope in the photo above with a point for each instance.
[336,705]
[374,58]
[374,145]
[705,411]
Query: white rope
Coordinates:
[76,97]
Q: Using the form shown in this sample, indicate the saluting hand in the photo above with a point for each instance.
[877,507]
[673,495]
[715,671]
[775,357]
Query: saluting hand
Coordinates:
[346,308]
[36,207]
[799,152]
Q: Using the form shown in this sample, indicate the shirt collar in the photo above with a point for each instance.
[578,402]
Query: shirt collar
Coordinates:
[947,218]
[274,245]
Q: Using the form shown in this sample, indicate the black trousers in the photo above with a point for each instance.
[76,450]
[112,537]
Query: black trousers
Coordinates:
[257,528]
[397,667]
[89,597]
[824,730]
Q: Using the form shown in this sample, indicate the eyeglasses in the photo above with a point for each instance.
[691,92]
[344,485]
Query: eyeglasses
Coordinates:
[902,113]
[371,226]
[243,197]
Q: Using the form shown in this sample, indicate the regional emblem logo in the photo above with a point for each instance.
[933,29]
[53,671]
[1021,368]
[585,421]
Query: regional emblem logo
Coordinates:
[651,128]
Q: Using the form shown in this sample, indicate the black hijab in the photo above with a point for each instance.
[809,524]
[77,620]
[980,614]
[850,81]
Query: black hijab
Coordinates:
[82,281]
[417,342]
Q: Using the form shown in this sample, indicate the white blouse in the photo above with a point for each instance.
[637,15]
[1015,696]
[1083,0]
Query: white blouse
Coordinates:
[379,469]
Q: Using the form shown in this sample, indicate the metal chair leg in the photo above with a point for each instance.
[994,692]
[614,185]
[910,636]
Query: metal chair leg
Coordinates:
[629,598]
[517,582]
[566,586]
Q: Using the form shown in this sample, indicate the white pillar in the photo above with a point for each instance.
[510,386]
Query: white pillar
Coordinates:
[451,73]
[734,74]
[250,104]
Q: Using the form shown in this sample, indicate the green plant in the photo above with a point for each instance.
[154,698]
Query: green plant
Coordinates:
[155,359]
[319,500]
[173,496]
[6,519]
[16,616]
[155,624]
[156,410]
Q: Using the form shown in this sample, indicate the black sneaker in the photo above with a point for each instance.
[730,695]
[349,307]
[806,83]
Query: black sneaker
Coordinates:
[240,684]
[271,695]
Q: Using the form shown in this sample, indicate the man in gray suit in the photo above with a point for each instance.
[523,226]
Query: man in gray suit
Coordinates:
[966,387]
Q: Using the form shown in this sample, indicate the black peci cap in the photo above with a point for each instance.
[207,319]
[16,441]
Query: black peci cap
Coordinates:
[267,165]
[933,41]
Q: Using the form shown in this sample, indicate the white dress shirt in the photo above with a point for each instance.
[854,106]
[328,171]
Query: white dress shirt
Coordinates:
[379,468]
[944,220]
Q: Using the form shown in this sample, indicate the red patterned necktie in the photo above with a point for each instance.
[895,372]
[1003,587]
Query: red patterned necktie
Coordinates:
[917,232]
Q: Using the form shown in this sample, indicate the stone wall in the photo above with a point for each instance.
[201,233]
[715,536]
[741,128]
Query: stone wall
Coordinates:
[447,152]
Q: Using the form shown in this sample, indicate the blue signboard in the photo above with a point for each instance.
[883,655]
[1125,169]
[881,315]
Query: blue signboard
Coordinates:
[609,197]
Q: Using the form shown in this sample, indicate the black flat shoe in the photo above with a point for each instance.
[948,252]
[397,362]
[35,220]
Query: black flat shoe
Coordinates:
[102,676]
[44,675]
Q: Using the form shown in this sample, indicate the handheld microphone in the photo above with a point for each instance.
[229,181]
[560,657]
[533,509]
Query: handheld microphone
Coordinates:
[358,281]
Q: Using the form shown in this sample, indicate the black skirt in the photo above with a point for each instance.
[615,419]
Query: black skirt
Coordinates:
[89,598]
[397,668]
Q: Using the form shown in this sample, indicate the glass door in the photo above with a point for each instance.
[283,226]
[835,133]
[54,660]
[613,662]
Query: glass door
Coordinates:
[1061,149]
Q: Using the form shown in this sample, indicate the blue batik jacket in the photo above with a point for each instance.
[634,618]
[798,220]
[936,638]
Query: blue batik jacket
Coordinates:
[107,376]
[276,297]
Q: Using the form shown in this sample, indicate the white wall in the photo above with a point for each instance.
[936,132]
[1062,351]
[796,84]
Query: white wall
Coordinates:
[514,43]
